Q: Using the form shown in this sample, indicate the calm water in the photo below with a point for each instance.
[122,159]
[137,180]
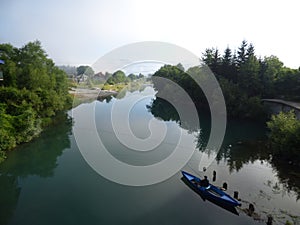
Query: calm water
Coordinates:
[48,181]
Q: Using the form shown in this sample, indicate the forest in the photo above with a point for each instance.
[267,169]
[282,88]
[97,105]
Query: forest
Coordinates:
[32,92]
[244,78]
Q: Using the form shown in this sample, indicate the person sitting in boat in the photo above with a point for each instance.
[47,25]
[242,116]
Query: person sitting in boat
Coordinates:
[204,182]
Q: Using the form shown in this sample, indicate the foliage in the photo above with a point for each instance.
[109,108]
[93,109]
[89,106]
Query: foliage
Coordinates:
[244,77]
[2,156]
[87,70]
[19,120]
[117,77]
[114,87]
[179,77]
[266,78]
[238,103]
[287,85]
[285,134]
[33,91]
[132,76]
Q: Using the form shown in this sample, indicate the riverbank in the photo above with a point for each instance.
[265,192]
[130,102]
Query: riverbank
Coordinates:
[81,95]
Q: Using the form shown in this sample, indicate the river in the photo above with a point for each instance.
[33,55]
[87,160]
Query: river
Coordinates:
[48,181]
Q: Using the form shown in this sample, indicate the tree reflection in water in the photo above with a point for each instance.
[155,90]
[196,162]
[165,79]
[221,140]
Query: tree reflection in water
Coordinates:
[245,148]
[38,158]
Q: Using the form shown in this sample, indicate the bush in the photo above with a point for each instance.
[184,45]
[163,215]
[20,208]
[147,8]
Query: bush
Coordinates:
[285,134]
[2,156]
[19,122]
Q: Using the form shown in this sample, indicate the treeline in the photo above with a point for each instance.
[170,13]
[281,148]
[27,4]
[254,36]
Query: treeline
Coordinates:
[238,103]
[85,74]
[244,79]
[120,77]
[265,77]
[32,92]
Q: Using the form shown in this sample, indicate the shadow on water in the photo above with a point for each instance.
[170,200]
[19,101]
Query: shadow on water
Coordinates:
[9,195]
[162,109]
[251,151]
[226,207]
[38,158]
[289,175]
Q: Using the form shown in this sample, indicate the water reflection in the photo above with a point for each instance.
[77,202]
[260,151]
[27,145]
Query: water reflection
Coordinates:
[130,87]
[36,158]
[243,153]
[244,143]
[107,99]
[289,175]
[9,195]
[162,109]
[251,151]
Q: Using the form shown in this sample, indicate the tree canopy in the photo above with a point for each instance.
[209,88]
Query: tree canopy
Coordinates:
[254,76]
[33,91]
[285,135]
[87,70]
[244,78]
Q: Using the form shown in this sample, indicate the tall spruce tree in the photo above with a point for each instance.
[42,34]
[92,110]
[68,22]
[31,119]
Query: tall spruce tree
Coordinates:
[242,53]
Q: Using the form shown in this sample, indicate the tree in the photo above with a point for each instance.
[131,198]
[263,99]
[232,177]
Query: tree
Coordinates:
[34,91]
[207,56]
[87,70]
[117,77]
[180,66]
[285,135]
[132,76]
[228,68]
[242,53]
[183,79]
[141,76]
[227,57]
[250,51]
[216,62]
[212,59]
[271,68]
[287,85]
[8,54]
[248,76]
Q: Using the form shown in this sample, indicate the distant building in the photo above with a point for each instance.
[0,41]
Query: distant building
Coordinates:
[99,77]
[82,78]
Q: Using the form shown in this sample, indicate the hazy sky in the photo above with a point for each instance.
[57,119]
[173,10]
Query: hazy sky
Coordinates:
[79,32]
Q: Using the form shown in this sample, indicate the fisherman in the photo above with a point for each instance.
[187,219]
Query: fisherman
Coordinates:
[204,182]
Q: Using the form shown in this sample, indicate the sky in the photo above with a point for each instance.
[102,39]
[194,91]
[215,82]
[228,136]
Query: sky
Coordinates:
[79,32]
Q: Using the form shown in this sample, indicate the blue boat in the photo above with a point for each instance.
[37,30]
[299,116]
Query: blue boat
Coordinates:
[210,192]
